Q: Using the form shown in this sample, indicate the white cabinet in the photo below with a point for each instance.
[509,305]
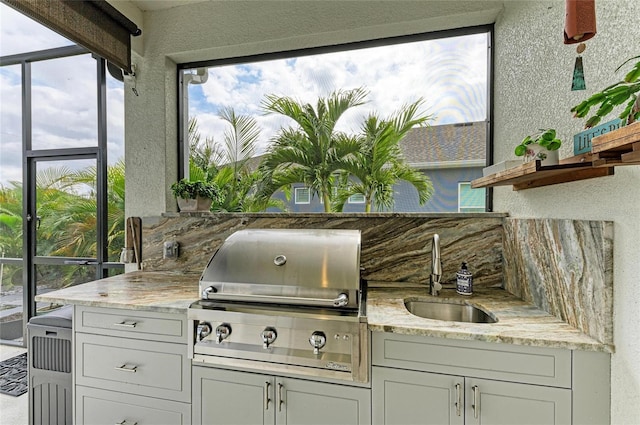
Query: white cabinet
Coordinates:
[422,380]
[232,397]
[131,367]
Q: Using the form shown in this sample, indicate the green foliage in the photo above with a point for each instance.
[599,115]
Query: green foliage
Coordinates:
[311,151]
[625,91]
[187,189]
[66,206]
[545,138]
[378,163]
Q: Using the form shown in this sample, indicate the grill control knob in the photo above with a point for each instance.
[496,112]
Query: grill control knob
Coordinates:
[222,332]
[317,340]
[203,330]
[268,335]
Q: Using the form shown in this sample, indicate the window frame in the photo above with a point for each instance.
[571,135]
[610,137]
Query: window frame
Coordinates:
[295,195]
[489,29]
[460,209]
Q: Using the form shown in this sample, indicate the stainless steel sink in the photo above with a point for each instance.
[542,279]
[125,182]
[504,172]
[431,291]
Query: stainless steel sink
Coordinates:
[449,311]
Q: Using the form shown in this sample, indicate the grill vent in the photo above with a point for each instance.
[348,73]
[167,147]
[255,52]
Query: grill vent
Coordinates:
[52,354]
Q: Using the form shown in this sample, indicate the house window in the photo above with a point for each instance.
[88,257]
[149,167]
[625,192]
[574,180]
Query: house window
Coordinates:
[357,198]
[302,195]
[470,200]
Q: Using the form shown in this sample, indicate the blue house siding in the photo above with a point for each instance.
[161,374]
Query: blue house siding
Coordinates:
[445,190]
[445,195]
[447,154]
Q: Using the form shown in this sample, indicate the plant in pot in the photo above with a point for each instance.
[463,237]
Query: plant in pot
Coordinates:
[542,146]
[195,195]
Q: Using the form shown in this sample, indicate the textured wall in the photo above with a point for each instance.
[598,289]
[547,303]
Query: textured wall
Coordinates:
[395,247]
[532,83]
[565,268]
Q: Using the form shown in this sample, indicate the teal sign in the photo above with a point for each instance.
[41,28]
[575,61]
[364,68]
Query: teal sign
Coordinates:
[582,141]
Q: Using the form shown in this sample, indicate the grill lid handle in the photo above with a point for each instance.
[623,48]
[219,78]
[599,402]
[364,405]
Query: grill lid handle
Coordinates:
[211,293]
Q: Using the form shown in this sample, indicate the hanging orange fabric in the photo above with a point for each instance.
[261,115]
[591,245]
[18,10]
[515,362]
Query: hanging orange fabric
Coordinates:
[580,20]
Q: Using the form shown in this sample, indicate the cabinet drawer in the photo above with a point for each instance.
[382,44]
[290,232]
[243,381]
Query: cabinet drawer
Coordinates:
[533,365]
[97,407]
[132,323]
[148,368]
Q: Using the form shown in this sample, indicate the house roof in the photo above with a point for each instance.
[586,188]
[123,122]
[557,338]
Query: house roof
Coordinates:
[427,147]
[445,143]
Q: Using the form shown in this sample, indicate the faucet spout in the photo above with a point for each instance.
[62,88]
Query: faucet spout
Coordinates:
[436,266]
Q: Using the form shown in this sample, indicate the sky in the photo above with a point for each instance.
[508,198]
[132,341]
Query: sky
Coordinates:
[450,75]
[63,96]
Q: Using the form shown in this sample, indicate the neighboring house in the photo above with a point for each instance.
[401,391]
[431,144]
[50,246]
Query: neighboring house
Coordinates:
[450,155]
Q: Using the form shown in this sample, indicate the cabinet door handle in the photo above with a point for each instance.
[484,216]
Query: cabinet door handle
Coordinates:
[476,401]
[280,397]
[267,400]
[126,324]
[125,422]
[458,399]
[125,368]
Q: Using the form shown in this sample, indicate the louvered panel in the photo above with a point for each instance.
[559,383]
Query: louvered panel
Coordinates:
[52,354]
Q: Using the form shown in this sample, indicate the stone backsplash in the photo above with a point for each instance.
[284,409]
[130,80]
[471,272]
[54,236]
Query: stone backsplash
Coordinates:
[395,247]
[564,267]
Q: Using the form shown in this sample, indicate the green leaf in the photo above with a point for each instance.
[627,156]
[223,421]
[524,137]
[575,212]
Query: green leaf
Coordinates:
[593,121]
[554,145]
[633,75]
[520,150]
[605,108]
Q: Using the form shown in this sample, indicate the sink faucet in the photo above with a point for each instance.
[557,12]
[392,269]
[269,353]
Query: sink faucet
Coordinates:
[436,266]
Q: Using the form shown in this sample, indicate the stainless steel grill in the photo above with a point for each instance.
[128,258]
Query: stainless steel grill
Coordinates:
[284,301]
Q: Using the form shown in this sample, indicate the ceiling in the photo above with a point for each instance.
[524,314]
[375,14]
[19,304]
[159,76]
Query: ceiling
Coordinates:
[146,5]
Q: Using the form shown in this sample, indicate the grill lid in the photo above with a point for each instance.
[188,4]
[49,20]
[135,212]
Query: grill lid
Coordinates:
[298,266]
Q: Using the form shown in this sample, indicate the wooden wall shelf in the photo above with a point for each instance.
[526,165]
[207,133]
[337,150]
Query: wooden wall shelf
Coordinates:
[620,147]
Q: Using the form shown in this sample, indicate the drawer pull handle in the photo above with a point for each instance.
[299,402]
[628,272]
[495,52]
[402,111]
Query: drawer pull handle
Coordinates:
[267,400]
[280,397]
[458,400]
[125,422]
[126,324]
[476,401]
[124,368]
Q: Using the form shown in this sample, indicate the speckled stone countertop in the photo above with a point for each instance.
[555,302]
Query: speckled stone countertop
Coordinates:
[518,322]
[156,291]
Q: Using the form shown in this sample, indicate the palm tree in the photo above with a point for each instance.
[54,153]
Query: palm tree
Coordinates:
[312,152]
[227,164]
[379,163]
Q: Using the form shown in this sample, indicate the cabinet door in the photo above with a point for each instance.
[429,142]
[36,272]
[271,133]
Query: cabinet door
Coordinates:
[506,403]
[300,402]
[228,398]
[408,397]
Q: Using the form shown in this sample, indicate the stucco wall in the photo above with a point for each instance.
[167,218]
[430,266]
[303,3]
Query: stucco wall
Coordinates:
[533,79]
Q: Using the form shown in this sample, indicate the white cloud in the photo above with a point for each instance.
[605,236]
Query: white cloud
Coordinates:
[21,34]
[449,74]
[64,98]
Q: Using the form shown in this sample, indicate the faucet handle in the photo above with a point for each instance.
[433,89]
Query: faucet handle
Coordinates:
[435,286]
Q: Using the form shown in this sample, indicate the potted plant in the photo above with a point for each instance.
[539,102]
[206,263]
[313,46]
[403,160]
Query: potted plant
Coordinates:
[542,146]
[195,195]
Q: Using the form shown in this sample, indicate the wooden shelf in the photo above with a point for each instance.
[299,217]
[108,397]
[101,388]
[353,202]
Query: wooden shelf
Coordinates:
[620,147]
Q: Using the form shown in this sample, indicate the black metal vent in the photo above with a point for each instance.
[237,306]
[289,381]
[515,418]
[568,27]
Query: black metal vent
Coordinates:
[52,354]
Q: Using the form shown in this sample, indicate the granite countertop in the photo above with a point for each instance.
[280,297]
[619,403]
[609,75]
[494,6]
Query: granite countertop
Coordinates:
[156,291]
[518,322]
